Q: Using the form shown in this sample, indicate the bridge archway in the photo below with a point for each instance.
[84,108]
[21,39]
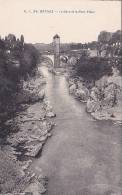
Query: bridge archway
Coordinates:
[47,60]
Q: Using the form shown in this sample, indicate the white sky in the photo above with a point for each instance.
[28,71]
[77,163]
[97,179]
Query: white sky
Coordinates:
[70,27]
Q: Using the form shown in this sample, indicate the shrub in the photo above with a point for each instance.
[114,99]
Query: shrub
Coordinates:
[93,68]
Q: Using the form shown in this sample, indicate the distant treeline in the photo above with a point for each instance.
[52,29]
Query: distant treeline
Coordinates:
[105,39]
[17,60]
[96,67]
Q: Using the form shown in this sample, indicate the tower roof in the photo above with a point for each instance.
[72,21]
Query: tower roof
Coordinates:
[56,36]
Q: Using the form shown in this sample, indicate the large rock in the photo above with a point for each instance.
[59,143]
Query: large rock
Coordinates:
[80,85]
[49,108]
[50,114]
[105,100]
[72,89]
[35,188]
[70,82]
[80,93]
[111,94]
[95,94]
[93,106]
[33,150]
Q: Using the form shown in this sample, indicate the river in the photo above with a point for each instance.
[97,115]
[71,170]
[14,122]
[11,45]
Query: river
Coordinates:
[83,155]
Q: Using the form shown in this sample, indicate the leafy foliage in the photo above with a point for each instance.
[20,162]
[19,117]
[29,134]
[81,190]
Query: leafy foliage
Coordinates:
[93,68]
[119,65]
[17,60]
[107,37]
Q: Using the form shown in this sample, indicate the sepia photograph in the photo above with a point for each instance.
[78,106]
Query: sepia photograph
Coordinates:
[60,97]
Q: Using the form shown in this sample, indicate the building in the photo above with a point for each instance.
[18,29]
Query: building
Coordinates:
[56,46]
[93,53]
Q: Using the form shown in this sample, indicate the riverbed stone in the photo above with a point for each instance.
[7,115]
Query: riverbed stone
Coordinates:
[82,94]
[36,188]
[72,89]
[33,151]
[93,106]
[49,134]
[43,138]
[50,114]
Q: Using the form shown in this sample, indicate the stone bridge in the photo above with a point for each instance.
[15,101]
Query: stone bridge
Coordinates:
[57,58]
[47,59]
[54,59]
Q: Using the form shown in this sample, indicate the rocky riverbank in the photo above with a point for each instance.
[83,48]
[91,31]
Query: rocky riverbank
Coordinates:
[103,97]
[29,130]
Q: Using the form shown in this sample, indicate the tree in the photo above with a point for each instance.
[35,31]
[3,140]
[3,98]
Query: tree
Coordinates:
[11,38]
[104,37]
[116,37]
[22,39]
[2,45]
[93,68]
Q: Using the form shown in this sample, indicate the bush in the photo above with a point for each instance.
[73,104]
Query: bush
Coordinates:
[29,59]
[93,68]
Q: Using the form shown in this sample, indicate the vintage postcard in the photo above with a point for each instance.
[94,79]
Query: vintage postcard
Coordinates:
[60,97]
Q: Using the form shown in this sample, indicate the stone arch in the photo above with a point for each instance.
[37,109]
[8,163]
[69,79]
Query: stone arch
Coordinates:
[48,59]
[64,58]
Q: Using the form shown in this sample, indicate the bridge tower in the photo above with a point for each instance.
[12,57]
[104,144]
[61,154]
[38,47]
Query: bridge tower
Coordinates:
[56,46]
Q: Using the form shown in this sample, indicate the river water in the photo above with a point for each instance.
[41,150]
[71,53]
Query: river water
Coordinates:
[83,155]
